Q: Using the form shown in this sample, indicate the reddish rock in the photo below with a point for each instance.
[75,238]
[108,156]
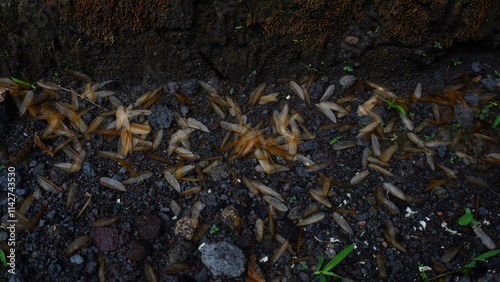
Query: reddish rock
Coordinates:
[106,238]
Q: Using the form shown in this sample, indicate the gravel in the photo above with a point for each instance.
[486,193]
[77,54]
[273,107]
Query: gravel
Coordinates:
[223,259]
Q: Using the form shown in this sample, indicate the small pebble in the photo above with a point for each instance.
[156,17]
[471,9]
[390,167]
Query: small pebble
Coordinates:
[76,259]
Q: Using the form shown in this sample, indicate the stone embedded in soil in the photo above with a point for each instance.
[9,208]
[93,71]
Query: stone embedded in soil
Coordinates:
[309,145]
[347,81]
[148,226]
[464,116]
[223,259]
[190,87]
[180,252]
[88,169]
[106,238]
[472,99]
[76,259]
[135,252]
[489,83]
[161,117]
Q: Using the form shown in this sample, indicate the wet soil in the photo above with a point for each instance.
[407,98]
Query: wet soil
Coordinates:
[149,210]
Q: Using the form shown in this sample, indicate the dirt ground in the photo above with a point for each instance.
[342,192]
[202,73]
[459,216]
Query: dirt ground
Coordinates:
[153,228]
[150,211]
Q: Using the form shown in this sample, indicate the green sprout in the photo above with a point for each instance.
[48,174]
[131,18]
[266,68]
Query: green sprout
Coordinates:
[497,73]
[292,200]
[311,68]
[467,218]
[348,69]
[411,114]
[302,266]
[334,140]
[482,257]
[332,263]
[453,157]
[23,82]
[3,259]
[392,104]
[424,54]
[297,41]
[421,269]
[2,167]
[377,29]
[112,39]
[465,270]
[429,137]
[232,91]
[456,63]
[214,229]
[140,181]
[240,27]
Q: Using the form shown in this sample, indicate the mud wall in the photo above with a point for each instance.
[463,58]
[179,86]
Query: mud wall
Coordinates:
[159,40]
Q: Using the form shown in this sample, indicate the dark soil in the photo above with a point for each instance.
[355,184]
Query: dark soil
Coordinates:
[227,45]
[145,234]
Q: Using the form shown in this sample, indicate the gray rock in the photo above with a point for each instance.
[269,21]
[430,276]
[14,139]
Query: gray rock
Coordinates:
[161,117]
[475,66]
[88,169]
[463,115]
[223,259]
[472,99]
[39,169]
[489,83]
[55,270]
[301,172]
[172,87]
[309,145]
[189,87]
[347,81]
[76,259]
[184,110]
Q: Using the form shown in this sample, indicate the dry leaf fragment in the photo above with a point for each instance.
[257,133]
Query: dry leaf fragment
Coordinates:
[113,184]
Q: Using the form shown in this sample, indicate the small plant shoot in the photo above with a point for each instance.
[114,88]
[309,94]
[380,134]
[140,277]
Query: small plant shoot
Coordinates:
[467,218]
[332,263]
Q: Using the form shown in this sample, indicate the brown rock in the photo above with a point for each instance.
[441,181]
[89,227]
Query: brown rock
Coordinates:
[352,40]
[106,238]
[148,226]
[136,251]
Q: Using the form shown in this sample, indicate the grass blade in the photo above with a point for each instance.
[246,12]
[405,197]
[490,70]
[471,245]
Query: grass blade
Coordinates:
[338,258]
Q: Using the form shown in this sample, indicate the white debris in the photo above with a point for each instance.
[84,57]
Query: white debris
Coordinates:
[409,212]
[264,259]
[423,223]
[443,224]
[424,268]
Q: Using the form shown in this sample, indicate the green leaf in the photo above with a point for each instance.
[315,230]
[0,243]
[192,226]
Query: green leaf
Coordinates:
[471,264]
[322,278]
[488,255]
[339,257]
[2,258]
[320,262]
[23,82]
[465,219]
[332,274]
[497,121]
[334,140]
